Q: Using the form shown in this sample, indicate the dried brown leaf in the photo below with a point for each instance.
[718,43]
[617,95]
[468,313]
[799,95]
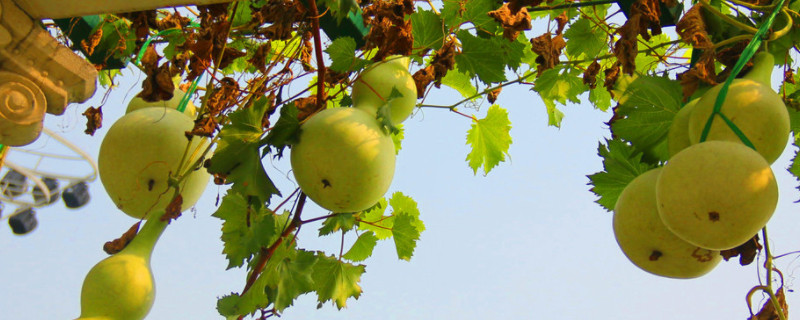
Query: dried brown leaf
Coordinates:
[692,29]
[92,41]
[422,79]
[204,127]
[116,245]
[94,119]
[492,96]
[590,75]
[548,50]
[768,311]
[512,23]
[307,106]
[747,251]
[561,22]
[612,74]
[390,31]
[173,210]
[259,58]
[702,71]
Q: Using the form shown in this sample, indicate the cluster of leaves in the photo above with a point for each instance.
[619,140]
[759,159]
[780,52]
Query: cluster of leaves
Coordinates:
[250,51]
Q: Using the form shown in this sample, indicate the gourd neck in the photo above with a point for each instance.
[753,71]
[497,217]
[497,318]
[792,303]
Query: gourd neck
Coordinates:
[763,63]
[145,240]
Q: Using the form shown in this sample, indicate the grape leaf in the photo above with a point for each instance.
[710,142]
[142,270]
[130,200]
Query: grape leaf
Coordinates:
[647,106]
[583,40]
[600,98]
[490,140]
[375,220]
[245,228]
[339,221]
[362,248]
[461,82]
[559,85]
[403,204]
[457,12]
[397,138]
[336,280]
[479,57]
[405,236]
[343,55]
[653,52]
[237,155]
[285,132]
[621,164]
[288,275]
[794,117]
[427,30]
[243,14]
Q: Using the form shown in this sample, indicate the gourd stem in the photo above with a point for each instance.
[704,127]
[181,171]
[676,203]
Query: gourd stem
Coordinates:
[145,240]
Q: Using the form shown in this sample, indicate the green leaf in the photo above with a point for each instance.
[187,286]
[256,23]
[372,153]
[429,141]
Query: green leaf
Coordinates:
[174,39]
[285,131]
[237,155]
[336,281]
[375,220]
[653,53]
[479,57]
[343,55]
[362,248]
[511,52]
[600,98]
[403,204]
[243,14]
[245,228]
[621,164]
[461,82]
[229,305]
[457,12]
[397,138]
[427,30]
[583,40]
[490,140]
[339,221]
[647,106]
[559,85]
[794,117]
[405,236]
[288,274]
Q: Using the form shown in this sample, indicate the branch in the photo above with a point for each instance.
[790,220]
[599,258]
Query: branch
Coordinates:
[312,6]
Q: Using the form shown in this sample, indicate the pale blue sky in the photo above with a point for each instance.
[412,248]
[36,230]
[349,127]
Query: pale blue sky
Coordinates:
[525,242]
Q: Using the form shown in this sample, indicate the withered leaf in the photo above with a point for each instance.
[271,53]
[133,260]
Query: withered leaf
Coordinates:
[590,75]
[173,210]
[158,85]
[548,50]
[644,16]
[94,119]
[259,58]
[116,245]
[422,79]
[692,29]
[768,311]
[747,251]
[390,32]
[561,22]
[204,127]
[225,96]
[92,41]
[307,106]
[612,74]
[703,70]
[512,23]
[492,96]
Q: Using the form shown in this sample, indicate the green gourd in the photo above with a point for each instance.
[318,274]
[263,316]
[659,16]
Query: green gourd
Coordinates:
[374,86]
[753,106]
[121,287]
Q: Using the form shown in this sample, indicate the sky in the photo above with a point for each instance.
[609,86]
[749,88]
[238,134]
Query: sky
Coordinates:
[527,241]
